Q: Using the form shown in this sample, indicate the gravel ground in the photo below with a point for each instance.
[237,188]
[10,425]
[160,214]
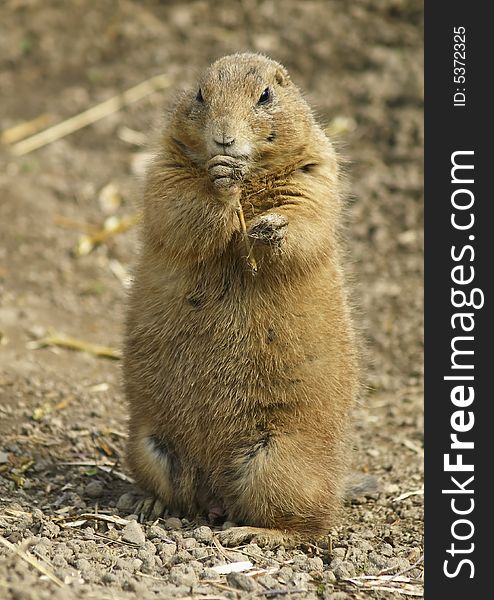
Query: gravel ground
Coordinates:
[65,494]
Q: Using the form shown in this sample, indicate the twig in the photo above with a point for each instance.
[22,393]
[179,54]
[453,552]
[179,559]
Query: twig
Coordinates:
[22,130]
[117,474]
[222,586]
[406,495]
[86,463]
[97,517]
[60,130]
[220,549]
[282,592]
[402,585]
[411,446]
[75,344]
[250,254]
[112,227]
[130,136]
[120,272]
[410,568]
[32,561]
[69,223]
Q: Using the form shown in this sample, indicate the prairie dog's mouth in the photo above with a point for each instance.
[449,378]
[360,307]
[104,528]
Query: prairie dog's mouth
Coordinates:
[237,150]
[232,154]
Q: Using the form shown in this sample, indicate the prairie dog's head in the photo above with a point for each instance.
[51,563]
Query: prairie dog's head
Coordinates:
[245,106]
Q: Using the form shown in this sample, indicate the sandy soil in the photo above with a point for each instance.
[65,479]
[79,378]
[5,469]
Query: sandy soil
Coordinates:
[62,414]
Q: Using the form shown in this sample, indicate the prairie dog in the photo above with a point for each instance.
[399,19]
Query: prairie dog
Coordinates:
[240,385]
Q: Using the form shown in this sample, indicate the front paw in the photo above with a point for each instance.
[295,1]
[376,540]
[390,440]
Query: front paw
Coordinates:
[269,229]
[226,172]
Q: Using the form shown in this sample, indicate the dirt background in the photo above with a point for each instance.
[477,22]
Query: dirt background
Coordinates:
[62,414]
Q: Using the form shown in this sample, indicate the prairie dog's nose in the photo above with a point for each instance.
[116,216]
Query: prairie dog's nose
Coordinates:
[224,139]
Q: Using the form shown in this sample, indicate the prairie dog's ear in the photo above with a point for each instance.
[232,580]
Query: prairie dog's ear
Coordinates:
[281,76]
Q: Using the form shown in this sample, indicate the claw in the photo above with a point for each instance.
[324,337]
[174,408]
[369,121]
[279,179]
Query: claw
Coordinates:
[149,509]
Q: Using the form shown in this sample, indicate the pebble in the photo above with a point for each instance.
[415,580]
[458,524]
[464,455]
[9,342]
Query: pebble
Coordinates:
[133,533]
[208,573]
[188,543]
[173,523]
[342,569]
[315,564]
[94,489]
[329,577]
[182,556]
[157,532]
[203,534]
[377,560]
[183,575]
[301,562]
[200,553]
[168,550]
[339,552]
[126,502]
[241,581]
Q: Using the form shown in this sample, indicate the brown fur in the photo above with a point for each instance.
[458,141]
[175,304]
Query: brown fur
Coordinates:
[240,386]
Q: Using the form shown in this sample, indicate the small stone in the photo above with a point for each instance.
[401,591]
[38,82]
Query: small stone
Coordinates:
[342,569]
[183,575]
[49,529]
[94,489]
[109,578]
[37,515]
[89,533]
[157,532]
[301,562]
[268,581]
[203,534]
[188,543]
[414,555]
[208,573]
[285,574]
[396,565]
[339,552]
[173,523]
[15,537]
[241,581]
[148,550]
[392,488]
[200,553]
[126,502]
[228,525]
[182,556]
[168,550]
[133,533]
[377,560]
[315,564]
[329,576]
[301,580]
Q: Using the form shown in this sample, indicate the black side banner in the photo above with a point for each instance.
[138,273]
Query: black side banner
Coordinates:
[458,291]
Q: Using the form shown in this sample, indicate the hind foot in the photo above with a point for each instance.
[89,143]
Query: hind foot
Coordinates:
[149,509]
[268,538]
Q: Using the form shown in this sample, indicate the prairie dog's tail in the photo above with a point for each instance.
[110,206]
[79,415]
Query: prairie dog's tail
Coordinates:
[358,485]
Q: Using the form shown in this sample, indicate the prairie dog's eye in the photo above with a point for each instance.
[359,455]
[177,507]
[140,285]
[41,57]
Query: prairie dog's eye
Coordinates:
[199,97]
[265,96]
